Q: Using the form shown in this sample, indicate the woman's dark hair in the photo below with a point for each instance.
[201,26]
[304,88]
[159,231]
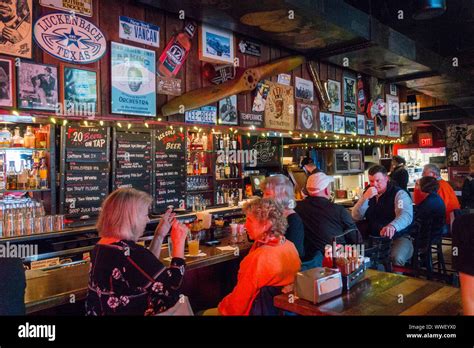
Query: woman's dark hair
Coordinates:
[399,159]
[377,169]
[428,184]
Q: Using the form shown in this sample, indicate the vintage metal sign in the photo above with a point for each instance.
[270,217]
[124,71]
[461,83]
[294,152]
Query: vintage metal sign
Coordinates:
[69,38]
[168,86]
[279,109]
[254,119]
[203,115]
[82,7]
[138,31]
[250,48]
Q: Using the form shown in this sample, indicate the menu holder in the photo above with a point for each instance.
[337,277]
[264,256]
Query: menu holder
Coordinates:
[170,169]
[84,171]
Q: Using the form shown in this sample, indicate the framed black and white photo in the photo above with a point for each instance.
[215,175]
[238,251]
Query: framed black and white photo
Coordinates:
[37,86]
[216,45]
[228,111]
[351,125]
[304,89]
[339,124]
[370,129]
[325,122]
[79,91]
[361,124]
[393,89]
[350,102]
[16,21]
[334,91]
[307,117]
[7,77]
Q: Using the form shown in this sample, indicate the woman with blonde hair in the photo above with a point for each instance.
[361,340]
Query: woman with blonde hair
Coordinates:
[272,260]
[280,188]
[126,278]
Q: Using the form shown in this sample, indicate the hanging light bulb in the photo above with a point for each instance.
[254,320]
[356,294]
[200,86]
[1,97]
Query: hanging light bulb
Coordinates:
[101,122]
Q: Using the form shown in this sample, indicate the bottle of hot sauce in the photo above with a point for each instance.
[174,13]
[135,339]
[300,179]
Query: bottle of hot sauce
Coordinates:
[176,52]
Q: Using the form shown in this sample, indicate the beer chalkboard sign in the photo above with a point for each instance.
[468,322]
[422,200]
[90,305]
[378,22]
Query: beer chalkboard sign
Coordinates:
[170,169]
[85,179]
[133,162]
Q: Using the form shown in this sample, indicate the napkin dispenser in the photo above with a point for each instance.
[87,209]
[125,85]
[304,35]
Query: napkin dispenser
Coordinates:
[318,284]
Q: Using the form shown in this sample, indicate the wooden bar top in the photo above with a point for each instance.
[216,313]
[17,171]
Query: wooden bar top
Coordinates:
[56,287]
[381,293]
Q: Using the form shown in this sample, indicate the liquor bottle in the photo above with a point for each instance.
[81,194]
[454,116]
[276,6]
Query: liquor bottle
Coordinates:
[218,172]
[41,136]
[5,137]
[176,52]
[222,171]
[232,170]
[3,181]
[234,142]
[221,142]
[226,142]
[236,170]
[204,141]
[191,141]
[11,176]
[226,194]
[226,170]
[22,177]
[17,140]
[43,174]
[29,138]
[203,166]
[189,167]
[32,182]
[196,166]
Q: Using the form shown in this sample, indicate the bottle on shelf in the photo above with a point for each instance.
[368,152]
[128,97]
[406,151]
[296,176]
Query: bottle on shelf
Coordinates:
[29,138]
[204,141]
[41,136]
[196,170]
[32,181]
[43,174]
[226,170]
[22,178]
[3,181]
[203,166]
[5,137]
[17,139]
[236,169]
[11,176]
[234,142]
[221,142]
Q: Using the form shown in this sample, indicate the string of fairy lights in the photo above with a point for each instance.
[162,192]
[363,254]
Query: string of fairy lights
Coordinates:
[311,139]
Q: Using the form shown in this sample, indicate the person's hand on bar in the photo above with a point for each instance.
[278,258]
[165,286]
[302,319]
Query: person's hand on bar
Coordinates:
[179,233]
[388,231]
[164,226]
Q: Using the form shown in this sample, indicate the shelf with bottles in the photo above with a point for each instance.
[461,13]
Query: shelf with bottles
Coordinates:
[33,137]
[229,194]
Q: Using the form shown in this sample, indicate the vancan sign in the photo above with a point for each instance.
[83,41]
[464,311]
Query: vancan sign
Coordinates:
[70,38]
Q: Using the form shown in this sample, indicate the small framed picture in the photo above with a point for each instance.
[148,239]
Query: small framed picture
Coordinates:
[216,45]
[304,89]
[334,91]
[228,111]
[79,91]
[307,117]
[351,125]
[325,122]
[361,124]
[350,102]
[38,86]
[7,83]
[339,124]
[393,89]
[370,127]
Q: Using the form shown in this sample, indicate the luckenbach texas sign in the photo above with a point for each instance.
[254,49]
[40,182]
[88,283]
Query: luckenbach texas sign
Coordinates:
[70,38]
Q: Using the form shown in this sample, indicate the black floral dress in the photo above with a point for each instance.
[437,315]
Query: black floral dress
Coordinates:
[127,279]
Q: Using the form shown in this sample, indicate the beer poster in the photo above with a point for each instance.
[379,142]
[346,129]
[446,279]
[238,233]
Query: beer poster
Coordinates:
[16,28]
[280,108]
[133,80]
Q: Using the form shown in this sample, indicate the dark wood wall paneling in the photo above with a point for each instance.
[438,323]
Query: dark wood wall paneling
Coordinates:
[106,16]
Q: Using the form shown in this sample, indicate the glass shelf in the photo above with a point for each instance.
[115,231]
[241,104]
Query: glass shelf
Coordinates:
[22,149]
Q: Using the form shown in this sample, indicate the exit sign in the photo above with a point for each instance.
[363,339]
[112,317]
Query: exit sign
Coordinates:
[425,139]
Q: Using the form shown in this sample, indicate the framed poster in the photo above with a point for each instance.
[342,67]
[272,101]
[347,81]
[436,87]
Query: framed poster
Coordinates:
[279,108]
[351,125]
[350,103]
[381,125]
[393,115]
[16,27]
[339,124]
[37,86]
[216,45]
[228,111]
[307,117]
[261,95]
[7,83]
[304,89]
[334,90]
[133,80]
[370,130]
[361,124]
[79,91]
[325,122]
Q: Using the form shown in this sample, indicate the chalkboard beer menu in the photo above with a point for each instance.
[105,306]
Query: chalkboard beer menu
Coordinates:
[170,169]
[85,169]
[133,162]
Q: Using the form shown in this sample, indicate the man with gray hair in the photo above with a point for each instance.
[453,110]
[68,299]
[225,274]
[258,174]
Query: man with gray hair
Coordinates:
[445,191]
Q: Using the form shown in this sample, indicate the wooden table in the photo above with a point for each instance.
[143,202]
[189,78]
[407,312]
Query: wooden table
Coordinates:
[380,293]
